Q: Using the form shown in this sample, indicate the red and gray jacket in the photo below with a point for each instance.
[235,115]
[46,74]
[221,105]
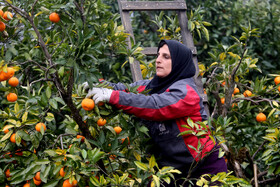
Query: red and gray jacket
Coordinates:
[164,114]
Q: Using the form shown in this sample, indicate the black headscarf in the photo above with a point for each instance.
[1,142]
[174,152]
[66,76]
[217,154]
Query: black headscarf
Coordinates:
[182,66]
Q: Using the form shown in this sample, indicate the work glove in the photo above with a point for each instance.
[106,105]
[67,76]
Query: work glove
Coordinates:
[85,85]
[100,94]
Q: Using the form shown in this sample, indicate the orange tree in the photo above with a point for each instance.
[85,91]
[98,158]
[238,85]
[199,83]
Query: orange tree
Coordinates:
[55,46]
[46,128]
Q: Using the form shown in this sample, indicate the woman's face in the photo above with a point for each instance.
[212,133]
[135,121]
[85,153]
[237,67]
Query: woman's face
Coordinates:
[163,62]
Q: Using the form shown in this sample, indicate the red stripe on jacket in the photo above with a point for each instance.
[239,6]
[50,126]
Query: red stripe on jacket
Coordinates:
[187,106]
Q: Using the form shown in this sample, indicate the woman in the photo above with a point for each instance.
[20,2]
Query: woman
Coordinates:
[172,99]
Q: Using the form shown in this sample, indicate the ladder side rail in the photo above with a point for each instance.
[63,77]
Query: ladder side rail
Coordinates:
[135,66]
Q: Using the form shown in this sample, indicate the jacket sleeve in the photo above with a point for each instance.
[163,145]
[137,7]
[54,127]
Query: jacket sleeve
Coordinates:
[178,101]
[121,86]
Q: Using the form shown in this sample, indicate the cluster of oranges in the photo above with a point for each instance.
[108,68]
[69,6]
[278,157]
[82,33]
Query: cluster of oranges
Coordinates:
[54,17]
[6,16]
[12,81]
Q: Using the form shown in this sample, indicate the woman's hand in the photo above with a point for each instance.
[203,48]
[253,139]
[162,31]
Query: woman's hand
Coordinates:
[100,94]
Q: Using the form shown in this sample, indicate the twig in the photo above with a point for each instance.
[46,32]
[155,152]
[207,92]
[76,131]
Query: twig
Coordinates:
[260,147]
[60,136]
[256,175]
[32,11]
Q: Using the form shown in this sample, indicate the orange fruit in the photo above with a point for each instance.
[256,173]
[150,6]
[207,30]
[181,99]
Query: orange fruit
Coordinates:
[66,183]
[123,139]
[13,138]
[277,80]
[101,122]
[12,97]
[223,83]
[54,17]
[223,100]
[234,105]
[10,73]
[87,104]
[261,117]
[26,184]
[80,136]
[38,127]
[7,130]
[74,182]
[100,103]
[2,76]
[279,88]
[37,182]
[118,129]
[62,172]
[1,13]
[2,26]
[247,93]
[6,17]
[13,81]
[236,91]
[19,152]
[37,176]
[8,173]
[113,157]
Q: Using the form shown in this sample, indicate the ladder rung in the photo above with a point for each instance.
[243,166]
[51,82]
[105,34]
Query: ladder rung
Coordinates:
[152,51]
[152,5]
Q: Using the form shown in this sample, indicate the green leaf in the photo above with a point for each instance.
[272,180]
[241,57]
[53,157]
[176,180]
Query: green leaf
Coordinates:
[48,92]
[152,162]
[42,161]
[53,103]
[24,117]
[49,117]
[141,165]
[45,172]
[267,152]
[6,136]
[84,154]
[156,180]
[51,183]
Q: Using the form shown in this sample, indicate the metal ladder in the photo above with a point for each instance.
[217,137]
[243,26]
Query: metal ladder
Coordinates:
[176,5]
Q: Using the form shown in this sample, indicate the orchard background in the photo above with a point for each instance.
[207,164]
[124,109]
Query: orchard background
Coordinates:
[45,129]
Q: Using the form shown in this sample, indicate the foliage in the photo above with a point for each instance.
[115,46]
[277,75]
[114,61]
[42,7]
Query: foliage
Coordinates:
[52,60]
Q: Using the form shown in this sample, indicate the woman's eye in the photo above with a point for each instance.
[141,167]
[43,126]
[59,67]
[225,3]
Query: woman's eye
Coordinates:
[166,56]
